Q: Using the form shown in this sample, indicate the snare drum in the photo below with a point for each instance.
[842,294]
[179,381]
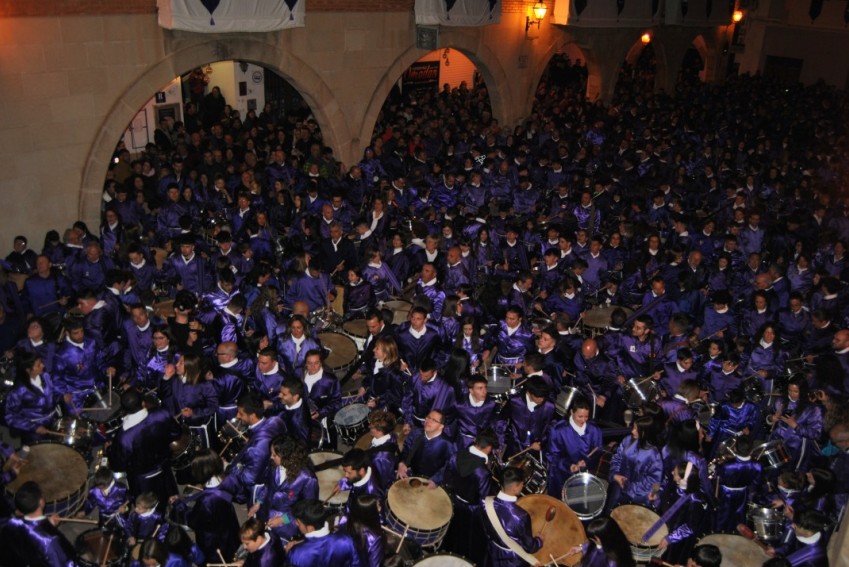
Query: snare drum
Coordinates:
[400,310]
[351,422]
[585,494]
[563,532]
[498,380]
[324,320]
[341,351]
[443,560]
[62,474]
[328,480]
[640,392]
[419,513]
[103,408]
[772,455]
[635,521]
[565,399]
[183,450]
[96,548]
[737,551]
[536,473]
[77,431]
[596,320]
[164,309]
[232,439]
[767,523]
[358,331]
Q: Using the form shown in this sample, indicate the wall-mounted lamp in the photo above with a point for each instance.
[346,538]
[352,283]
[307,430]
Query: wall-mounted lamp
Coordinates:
[539,11]
[645,38]
[737,16]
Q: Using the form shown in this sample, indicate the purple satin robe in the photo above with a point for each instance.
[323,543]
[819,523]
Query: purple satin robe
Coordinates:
[642,468]
[565,448]
[517,524]
[251,464]
[333,549]
[278,498]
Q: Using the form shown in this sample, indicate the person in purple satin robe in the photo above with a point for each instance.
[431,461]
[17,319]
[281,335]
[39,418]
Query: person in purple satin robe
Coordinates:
[231,377]
[607,545]
[429,391]
[636,469]
[811,540]
[798,422]
[386,384]
[739,481]
[383,450]
[78,366]
[267,379]
[209,512]
[323,395]
[31,404]
[296,412]
[419,340]
[190,396]
[574,446]
[263,547]
[143,520]
[364,527]
[513,521]
[360,478]
[358,295]
[685,511]
[290,480]
[142,446]
[250,466]
[427,449]
[529,417]
[293,348]
[320,547]
[467,477]
[106,496]
[30,537]
[474,413]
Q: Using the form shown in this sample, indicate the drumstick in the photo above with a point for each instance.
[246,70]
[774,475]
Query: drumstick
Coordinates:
[403,537]
[106,553]
[567,554]
[522,452]
[236,429]
[78,520]
[60,434]
[747,533]
[195,487]
[336,491]
[549,515]
[591,453]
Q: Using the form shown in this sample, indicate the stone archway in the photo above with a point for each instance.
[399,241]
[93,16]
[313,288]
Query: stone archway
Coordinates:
[501,97]
[594,68]
[309,84]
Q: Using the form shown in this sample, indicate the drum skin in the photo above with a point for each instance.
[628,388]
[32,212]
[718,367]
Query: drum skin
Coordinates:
[342,350]
[418,506]
[328,479]
[62,474]
[635,521]
[563,533]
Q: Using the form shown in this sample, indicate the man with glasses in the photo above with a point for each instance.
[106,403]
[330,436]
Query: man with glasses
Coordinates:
[426,449]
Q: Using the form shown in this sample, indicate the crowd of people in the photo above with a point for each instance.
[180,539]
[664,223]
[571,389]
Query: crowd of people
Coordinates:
[651,291]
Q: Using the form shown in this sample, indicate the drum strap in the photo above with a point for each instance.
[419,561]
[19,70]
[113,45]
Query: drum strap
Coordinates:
[331,464]
[505,539]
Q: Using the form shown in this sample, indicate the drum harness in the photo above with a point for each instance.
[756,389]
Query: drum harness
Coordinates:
[505,539]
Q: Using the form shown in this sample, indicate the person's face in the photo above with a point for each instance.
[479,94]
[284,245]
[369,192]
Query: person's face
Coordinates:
[37,368]
[373,325]
[224,356]
[353,475]
[313,364]
[417,320]
[639,330]
[545,342]
[581,416]
[433,423]
[430,245]
[840,340]
[658,288]
[335,233]
[427,374]
[795,305]
[686,363]
[512,319]
[478,391]
[186,250]
[453,256]
[760,302]
[287,397]
[793,392]
[297,329]
[769,334]
[265,363]
[379,354]
[252,545]
[635,433]
[428,273]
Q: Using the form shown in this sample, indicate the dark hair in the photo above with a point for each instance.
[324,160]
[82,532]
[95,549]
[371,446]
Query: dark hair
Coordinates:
[683,437]
[295,387]
[252,529]
[310,512]
[205,465]
[293,454]
[131,401]
[28,497]
[537,387]
[645,430]
[693,481]
[706,555]
[178,541]
[811,520]
[512,475]
[613,541]
[103,476]
[357,459]
[383,421]
[251,404]
[363,516]
[154,549]
[486,438]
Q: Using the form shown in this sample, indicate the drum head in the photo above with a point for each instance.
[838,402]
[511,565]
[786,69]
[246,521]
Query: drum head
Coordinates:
[585,494]
[635,521]
[418,506]
[96,547]
[599,317]
[356,328]
[563,532]
[164,309]
[60,471]
[400,310]
[341,350]
[328,479]
[443,560]
[105,406]
[498,380]
[351,415]
[736,550]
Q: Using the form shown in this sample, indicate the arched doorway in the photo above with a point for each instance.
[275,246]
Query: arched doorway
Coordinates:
[303,78]
[638,73]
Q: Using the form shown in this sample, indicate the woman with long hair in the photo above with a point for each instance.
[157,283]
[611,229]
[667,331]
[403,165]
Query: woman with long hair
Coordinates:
[384,387]
[636,469]
[607,545]
[469,339]
[290,479]
[186,393]
[685,511]
[364,527]
[162,352]
[797,420]
[767,357]
[30,403]
[294,347]
[684,444]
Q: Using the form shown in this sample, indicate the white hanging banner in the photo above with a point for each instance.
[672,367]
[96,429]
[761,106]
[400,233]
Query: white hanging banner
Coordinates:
[458,12]
[222,16]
